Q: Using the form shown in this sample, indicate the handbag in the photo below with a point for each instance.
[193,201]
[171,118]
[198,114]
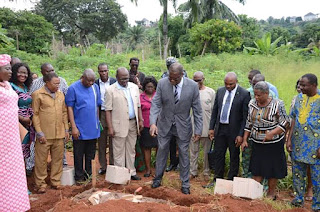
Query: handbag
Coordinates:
[211,156]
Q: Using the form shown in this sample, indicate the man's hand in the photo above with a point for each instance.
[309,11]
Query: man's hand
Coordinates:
[211,135]
[42,140]
[153,130]
[196,138]
[238,141]
[244,145]
[67,136]
[75,133]
[318,153]
[110,132]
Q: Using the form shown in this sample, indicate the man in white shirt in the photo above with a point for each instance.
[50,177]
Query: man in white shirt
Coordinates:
[207,97]
[103,82]
[227,124]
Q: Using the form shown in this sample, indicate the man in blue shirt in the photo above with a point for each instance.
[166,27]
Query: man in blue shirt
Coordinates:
[273,88]
[83,101]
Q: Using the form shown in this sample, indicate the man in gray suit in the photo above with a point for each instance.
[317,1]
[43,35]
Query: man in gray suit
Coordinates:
[170,117]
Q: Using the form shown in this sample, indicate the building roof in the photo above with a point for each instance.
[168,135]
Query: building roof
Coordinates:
[310,14]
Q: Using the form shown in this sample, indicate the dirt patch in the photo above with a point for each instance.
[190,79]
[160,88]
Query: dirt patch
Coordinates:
[200,199]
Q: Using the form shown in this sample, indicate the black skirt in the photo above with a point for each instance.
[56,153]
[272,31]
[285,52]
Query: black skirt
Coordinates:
[146,140]
[268,160]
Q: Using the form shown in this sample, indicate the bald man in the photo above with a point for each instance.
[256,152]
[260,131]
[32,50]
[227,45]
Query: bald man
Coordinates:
[124,120]
[227,123]
[207,97]
[83,101]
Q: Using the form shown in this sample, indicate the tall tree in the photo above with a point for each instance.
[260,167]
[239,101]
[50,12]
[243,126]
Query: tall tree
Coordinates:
[164,4]
[102,18]
[31,32]
[199,11]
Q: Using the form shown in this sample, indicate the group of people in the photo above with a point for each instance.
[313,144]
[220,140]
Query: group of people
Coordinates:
[175,114]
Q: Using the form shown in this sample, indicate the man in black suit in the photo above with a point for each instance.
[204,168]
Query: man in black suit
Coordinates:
[103,82]
[227,123]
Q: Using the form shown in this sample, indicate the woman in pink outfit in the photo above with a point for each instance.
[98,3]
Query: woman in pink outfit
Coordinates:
[13,182]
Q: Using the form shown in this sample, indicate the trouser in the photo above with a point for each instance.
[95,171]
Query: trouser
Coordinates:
[30,161]
[86,149]
[299,174]
[174,159]
[124,148]
[162,156]
[56,148]
[246,156]
[103,142]
[194,154]
[224,141]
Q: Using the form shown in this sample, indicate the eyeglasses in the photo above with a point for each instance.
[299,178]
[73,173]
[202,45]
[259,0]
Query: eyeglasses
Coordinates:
[134,65]
[124,79]
[197,80]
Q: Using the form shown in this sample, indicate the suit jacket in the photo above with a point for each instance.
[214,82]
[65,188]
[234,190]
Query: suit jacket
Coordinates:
[112,80]
[238,111]
[49,114]
[116,101]
[164,112]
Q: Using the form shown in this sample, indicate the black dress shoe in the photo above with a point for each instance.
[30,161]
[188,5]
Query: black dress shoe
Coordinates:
[185,190]
[156,184]
[135,177]
[210,185]
[170,168]
[102,171]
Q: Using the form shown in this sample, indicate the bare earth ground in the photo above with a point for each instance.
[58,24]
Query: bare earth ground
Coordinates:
[199,200]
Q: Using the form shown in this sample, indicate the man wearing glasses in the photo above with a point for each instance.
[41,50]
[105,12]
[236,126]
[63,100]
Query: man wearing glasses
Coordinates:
[137,77]
[103,82]
[124,120]
[207,97]
[170,118]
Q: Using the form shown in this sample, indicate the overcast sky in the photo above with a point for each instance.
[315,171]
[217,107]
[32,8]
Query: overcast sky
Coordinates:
[151,9]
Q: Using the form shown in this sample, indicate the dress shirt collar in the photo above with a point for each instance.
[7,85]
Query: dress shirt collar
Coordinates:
[108,81]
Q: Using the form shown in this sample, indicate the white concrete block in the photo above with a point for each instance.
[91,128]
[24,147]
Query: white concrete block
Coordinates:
[247,188]
[67,177]
[223,186]
[117,175]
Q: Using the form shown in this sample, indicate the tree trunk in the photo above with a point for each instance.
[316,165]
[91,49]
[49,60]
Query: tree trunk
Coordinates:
[204,48]
[165,28]
[179,50]
[160,48]
[17,40]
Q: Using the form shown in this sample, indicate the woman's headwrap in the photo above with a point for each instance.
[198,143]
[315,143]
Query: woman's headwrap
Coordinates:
[5,59]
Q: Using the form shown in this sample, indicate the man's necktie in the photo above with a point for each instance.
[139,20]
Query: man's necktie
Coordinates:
[176,96]
[225,109]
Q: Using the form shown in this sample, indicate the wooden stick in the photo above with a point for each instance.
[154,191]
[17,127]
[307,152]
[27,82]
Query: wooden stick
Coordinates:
[94,173]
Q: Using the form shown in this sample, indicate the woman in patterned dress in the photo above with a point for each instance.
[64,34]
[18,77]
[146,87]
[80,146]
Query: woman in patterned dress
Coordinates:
[21,81]
[13,182]
[266,126]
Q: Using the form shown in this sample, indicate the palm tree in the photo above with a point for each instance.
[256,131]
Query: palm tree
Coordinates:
[134,36]
[199,11]
[164,4]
